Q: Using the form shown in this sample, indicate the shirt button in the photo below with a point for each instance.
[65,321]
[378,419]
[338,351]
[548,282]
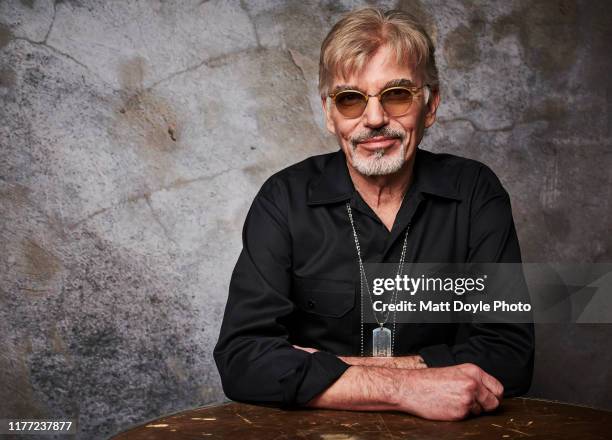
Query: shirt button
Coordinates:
[311,304]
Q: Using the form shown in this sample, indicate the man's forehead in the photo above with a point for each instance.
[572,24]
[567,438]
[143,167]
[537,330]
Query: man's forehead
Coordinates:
[379,69]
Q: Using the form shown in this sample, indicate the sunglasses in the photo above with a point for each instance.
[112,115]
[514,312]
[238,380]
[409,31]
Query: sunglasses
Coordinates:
[395,101]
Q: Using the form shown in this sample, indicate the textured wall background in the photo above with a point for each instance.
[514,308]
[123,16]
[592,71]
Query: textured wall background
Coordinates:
[135,134]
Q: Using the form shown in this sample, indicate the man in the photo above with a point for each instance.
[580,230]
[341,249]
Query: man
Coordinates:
[293,333]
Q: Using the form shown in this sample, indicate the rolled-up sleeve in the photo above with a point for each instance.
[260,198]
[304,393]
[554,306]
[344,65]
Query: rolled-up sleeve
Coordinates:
[504,350]
[256,361]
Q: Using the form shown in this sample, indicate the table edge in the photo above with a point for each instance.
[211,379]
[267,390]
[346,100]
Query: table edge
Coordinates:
[147,421]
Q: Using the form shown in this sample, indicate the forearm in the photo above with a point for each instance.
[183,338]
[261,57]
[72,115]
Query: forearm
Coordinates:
[361,388]
[450,393]
[413,362]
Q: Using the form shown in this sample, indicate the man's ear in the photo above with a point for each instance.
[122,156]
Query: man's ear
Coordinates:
[327,112]
[432,107]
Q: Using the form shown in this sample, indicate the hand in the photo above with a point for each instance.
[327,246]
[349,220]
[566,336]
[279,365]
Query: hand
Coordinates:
[450,393]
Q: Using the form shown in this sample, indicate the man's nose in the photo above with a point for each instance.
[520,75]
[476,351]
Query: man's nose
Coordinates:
[374,113]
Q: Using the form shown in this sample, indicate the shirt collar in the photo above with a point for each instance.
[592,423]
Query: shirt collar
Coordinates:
[334,184]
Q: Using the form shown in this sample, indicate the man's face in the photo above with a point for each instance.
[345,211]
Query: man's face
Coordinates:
[376,143]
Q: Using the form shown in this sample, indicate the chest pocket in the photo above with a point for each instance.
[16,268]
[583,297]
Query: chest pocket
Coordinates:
[329,298]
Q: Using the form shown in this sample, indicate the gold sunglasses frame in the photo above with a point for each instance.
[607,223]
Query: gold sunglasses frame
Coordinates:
[414,90]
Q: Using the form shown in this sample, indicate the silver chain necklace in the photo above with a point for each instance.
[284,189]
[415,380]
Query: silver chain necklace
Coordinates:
[383,339]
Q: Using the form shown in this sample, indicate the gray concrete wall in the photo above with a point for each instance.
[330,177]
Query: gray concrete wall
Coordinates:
[135,134]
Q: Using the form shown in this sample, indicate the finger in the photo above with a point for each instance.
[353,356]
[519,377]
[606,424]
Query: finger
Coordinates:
[493,385]
[487,400]
[306,349]
[485,378]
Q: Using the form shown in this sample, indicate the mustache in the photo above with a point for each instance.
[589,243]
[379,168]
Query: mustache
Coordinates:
[383,131]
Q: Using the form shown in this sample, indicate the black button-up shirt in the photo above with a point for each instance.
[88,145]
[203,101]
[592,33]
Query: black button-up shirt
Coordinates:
[297,278]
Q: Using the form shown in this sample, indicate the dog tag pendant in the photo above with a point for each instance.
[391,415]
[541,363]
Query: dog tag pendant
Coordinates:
[381,342]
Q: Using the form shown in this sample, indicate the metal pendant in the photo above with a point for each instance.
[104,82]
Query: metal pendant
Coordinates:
[381,342]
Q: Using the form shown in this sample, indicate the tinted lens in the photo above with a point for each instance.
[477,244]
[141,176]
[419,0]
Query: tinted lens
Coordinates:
[350,104]
[396,101]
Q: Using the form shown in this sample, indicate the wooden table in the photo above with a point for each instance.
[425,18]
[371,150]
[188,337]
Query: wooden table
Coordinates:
[516,419]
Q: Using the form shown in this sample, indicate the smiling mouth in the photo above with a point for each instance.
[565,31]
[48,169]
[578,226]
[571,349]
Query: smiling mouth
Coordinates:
[378,142]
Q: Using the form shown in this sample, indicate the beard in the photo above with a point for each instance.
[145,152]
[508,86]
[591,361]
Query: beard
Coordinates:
[378,164]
